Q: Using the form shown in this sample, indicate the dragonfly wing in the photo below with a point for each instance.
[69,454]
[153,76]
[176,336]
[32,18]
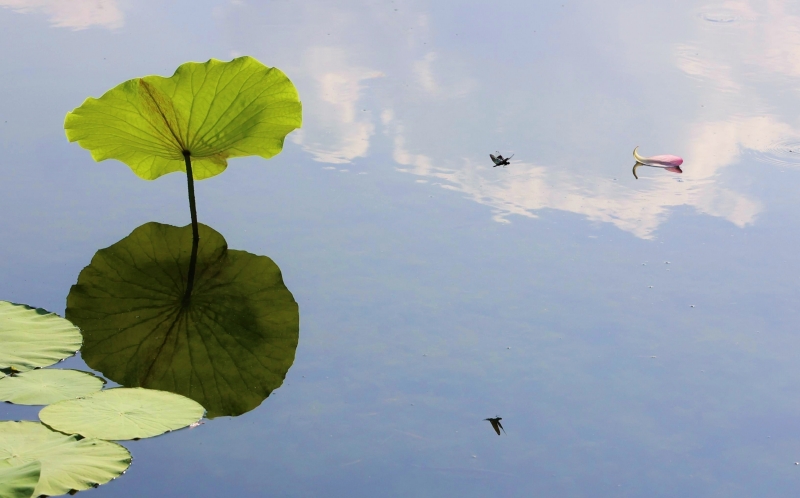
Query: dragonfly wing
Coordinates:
[496,426]
[494,159]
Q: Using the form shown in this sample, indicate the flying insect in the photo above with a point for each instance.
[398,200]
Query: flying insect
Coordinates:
[499,160]
[496,425]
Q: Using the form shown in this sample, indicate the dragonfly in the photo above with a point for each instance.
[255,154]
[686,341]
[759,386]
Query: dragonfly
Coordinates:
[499,160]
[496,425]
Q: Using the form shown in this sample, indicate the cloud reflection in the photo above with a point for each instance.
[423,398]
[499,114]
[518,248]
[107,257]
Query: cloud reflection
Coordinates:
[447,107]
[336,130]
[526,188]
[75,14]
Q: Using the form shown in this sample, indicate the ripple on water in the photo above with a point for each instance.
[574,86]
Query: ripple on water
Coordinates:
[782,152]
[720,16]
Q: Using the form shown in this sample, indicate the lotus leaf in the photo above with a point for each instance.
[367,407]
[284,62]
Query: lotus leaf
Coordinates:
[67,462]
[19,482]
[122,413]
[212,110]
[227,349]
[32,337]
[45,386]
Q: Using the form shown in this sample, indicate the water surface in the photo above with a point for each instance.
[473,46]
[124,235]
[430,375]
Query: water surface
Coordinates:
[636,336]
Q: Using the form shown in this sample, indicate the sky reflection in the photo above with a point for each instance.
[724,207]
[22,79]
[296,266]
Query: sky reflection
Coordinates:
[377,75]
[437,290]
[74,14]
[440,114]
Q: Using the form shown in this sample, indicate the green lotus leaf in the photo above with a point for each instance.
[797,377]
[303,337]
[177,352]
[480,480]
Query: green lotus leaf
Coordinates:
[46,386]
[19,482]
[67,462]
[227,349]
[32,337]
[122,413]
[213,110]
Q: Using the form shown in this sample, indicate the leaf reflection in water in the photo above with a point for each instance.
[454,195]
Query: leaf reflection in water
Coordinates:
[227,348]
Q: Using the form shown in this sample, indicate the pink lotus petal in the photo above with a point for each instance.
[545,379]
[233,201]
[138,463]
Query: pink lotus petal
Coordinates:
[674,169]
[664,160]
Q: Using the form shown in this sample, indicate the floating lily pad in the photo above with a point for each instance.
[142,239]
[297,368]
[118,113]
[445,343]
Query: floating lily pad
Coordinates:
[213,110]
[122,413]
[19,482]
[67,462]
[227,349]
[32,337]
[46,386]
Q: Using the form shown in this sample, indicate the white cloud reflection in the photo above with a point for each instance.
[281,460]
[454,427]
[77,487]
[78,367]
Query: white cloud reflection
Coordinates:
[772,44]
[75,14]
[527,188]
[728,47]
[338,129]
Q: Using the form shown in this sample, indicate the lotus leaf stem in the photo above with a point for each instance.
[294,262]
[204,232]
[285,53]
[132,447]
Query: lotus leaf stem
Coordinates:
[195,232]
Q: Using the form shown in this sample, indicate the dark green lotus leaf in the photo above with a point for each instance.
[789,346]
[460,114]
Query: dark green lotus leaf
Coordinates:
[48,385]
[33,338]
[227,349]
[19,482]
[67,462]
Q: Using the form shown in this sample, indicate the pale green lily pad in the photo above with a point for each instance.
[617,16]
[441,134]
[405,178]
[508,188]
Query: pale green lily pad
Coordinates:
[46,386]
[32,337]
[228,349]
[122,413]
[19,482]
[67,462]
[213,110]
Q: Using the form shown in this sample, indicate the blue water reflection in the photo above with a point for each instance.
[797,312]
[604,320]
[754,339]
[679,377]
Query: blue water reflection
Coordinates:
[436,290]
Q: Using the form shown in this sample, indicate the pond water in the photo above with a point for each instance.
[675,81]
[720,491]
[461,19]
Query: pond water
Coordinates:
[638,337]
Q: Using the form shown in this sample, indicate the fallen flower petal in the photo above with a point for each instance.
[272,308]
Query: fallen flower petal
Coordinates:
[663,160]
